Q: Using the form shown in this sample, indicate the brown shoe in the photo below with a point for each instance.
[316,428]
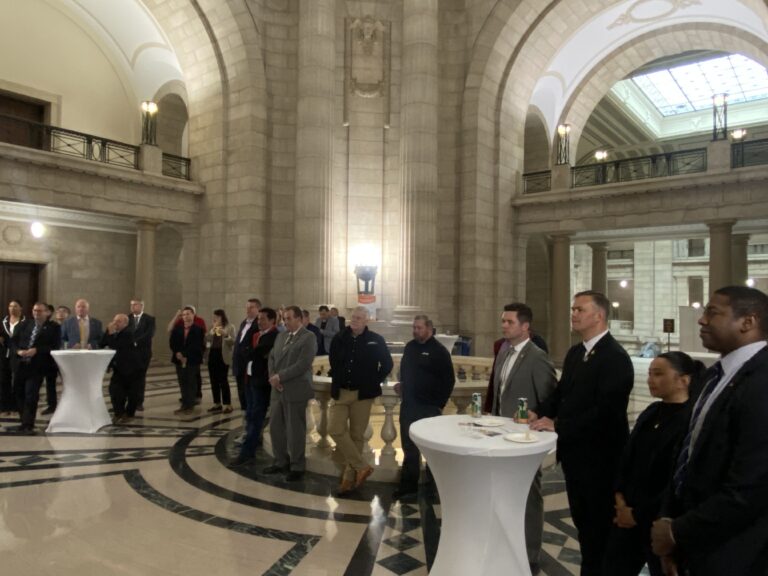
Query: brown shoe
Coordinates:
[362,475]
[346,486]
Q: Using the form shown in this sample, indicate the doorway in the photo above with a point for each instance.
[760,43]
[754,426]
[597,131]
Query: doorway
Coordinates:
[19,281]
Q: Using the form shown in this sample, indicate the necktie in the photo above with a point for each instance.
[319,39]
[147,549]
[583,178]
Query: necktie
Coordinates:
[290,339]
[83,333]
[33,337]
[714,374]
[506,369]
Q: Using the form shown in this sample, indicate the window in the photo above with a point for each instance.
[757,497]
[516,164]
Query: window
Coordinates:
[695,290]
[620,254]
[696,247]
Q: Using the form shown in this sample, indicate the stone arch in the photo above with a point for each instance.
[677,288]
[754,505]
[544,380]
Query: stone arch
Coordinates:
[536,147]
[643,49]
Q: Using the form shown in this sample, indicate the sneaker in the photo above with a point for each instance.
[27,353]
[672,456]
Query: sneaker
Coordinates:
[215,408]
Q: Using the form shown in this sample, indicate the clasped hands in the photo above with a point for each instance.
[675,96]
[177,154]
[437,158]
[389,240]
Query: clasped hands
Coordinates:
[274,381]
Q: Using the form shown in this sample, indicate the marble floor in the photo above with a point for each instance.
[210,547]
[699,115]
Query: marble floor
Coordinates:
[154,497]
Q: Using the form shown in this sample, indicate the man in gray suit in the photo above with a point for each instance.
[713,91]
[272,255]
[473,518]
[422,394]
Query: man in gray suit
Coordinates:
[523,370]
[290,375]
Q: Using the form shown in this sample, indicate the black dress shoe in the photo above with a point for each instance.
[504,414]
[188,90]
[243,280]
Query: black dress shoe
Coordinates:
[294,475]
[48,410]
[239,461]
[404,492]
[275,469]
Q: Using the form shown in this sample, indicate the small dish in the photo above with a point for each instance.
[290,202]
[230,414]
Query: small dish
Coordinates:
[490,422]
[522,437]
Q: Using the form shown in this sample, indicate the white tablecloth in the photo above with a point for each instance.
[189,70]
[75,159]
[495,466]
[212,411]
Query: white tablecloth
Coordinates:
[82,407]
[483,484]
[447,340]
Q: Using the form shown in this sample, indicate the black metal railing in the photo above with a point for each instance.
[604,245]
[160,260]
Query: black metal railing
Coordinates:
[30,134]
[534,182]
[630,169]
[176,166]
[752,153]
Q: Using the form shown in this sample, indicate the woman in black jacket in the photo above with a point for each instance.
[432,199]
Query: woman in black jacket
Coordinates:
[648,463]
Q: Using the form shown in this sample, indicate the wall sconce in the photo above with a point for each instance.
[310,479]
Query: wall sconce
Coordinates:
[37,229]
[563,144]
[738,134]
[149,122]
[719,117]
[601,155]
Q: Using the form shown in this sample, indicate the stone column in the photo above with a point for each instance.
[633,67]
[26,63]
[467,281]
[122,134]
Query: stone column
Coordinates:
[720,254]
[599,266]
[144,286]
[560,295]
[314,153]
[418,160]
[739,266]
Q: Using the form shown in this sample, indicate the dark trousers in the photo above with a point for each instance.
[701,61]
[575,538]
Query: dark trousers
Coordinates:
[7,401]
[411,412]
[589,483]
[188,377]
[124,393]
[240,378]
[146,357]
[258,404]
[26,390]
[217,371]
[50,389]
[628,550]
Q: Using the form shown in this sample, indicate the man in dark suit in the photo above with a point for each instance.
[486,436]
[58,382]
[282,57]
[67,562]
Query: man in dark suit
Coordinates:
[52,374]
[716,511]
[126,368]
[523,370]
[37,337]
[290,375]
[248,327]
[588,410]
[257,388]
[341,320]
[187,344]
[143,327]
[80,330]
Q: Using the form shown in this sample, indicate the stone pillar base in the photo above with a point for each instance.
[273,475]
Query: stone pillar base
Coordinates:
[404,314]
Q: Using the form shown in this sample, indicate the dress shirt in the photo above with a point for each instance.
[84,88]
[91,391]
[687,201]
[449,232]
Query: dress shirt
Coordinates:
[245,329]
[509,363]
[589,344]
[731,364]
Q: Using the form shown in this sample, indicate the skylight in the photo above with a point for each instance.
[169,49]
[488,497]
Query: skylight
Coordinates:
[689,88]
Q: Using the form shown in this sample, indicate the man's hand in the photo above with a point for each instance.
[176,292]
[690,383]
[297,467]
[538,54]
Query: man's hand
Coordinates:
[398,388]
[27,353]
[543,423]
[669,566]
[179,356]
[662,539]
[274,381]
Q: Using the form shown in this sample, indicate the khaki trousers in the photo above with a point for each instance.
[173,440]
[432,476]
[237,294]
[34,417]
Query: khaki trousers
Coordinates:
[347,421]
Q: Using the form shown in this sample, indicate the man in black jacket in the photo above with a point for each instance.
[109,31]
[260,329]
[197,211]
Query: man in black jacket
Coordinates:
[360,360]
[257,387]
[187,343]
[143,327]
[588,410]
[426,383]
[716,511]
[126,368]
[37,337]
[248,327]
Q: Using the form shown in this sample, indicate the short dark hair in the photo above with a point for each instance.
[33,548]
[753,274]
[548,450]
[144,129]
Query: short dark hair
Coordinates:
[305,312]
[269,313]
[255,301]
[295,310]
[64,308]
[51,309]
[600,300]
[190,308]
[323,308]
[424,318]
[746,301]
[524,312]
[221,314]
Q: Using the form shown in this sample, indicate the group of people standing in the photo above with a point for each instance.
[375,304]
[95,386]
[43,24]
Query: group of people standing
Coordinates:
[25,355]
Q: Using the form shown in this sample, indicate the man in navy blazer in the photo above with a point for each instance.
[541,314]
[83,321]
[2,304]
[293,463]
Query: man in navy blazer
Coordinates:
[715,515]
[72,336]
[588,410]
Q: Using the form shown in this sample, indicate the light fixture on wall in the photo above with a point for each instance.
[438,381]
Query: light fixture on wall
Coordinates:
[738,134]
[149,122]
[601,155]
[720,116]
[37,229]
[623,283]
[750,282]
[696,305]
[563,144]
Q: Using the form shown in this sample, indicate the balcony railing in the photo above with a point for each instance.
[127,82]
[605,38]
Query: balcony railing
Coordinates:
[72,143]
[754,153]
[630,169]
[534,182]
[176,166]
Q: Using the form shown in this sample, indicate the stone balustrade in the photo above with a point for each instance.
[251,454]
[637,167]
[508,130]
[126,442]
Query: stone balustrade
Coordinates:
[472,375]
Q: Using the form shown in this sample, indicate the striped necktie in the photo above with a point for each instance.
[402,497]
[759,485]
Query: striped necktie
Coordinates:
[714,374]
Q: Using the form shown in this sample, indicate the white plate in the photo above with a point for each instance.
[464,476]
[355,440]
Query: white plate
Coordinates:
[490,422]
[521,437]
